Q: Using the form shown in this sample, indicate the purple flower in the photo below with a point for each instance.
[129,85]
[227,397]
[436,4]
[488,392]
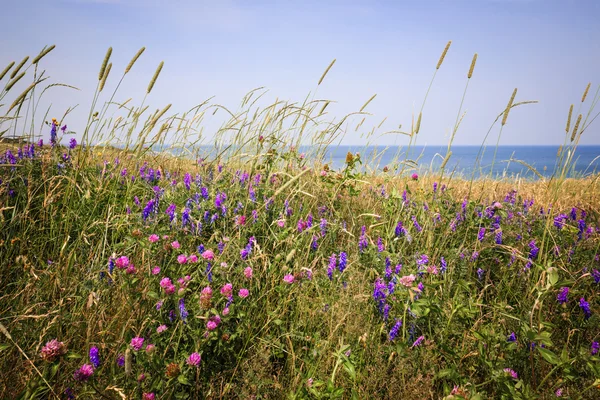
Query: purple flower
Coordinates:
[72,143]
[418,341]
[416,224]
[585,306]
[562,295]
[480,273]
[399,231]
[331,267]
[395,329]
[363,243]
[183,313]
[512,337]
[595,348]
[498,237]
[512,373]
[94,357]
[120,360]
[481,234]
[596,275]
[194,359]
[83,373]
[343,261]
[137,343]
[380,247]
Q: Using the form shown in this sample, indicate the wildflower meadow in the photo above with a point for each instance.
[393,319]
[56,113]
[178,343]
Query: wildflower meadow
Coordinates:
[135,266]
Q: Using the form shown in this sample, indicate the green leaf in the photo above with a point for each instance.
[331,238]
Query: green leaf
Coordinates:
[72,355]
[183,380]
[549,356]
[153,295]
[4,346]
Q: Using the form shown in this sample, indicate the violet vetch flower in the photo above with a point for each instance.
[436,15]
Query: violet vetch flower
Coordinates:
[416,224]
[596,275]
[72,143]
[148,209]
[331,266]
[480,273]
[418,341]
[343,261]
[443,265]
[595,348]
[481,234]
[380,247]
[94,357]
[395,330]
[363,242]
[563,295]
[585,307]
[183,313]
[512,337]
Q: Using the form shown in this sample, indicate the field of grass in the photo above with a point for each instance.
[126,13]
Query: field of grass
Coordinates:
[261,273]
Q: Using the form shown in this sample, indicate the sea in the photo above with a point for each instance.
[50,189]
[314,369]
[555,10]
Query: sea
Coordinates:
[532,162]
[528,162]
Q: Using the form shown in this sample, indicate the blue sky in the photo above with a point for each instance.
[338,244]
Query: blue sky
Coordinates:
[549,50]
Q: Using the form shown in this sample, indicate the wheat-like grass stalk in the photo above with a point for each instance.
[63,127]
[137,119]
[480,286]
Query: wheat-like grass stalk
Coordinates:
[42,54]
[585,92]
[367,103]
[155,77]
[5,70]
[418,127]
[509,106]
[326,71]
[104,63]
[441,60]
[134,59]
[160,114]
[473,62]
[14,81]
[576,128]
[568,127]
[323,108]
[21,97]
[446,159]
[18,67]
[103,81]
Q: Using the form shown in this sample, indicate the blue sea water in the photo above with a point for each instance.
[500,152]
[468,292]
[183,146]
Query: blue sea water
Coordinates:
[473,160]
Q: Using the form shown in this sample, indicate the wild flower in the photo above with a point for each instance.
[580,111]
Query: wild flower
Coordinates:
[122,262]
[182,259]
[443,265]
[407,280]
[363,242]
[193,258]
[343,261]
[331,266]
[481,234]
[183,313]
[150,206]
[194,359]
[511,372]
[512,337]
[161,328]
[72,143]
[248,272]
[585,307]
[414,176]
[84,373]
[243,293]
[595,348]
[137,343]
[563,295]
[480,273]
[289,278]
[150,348]
[153,238]
[399,231]
[314,245]
[53,349]
[175,244]
[596,275]
[395,329]
[94,356]
[227,290]
[559,392]
[121,360]
[418,341]
[416,224]
[208,255]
